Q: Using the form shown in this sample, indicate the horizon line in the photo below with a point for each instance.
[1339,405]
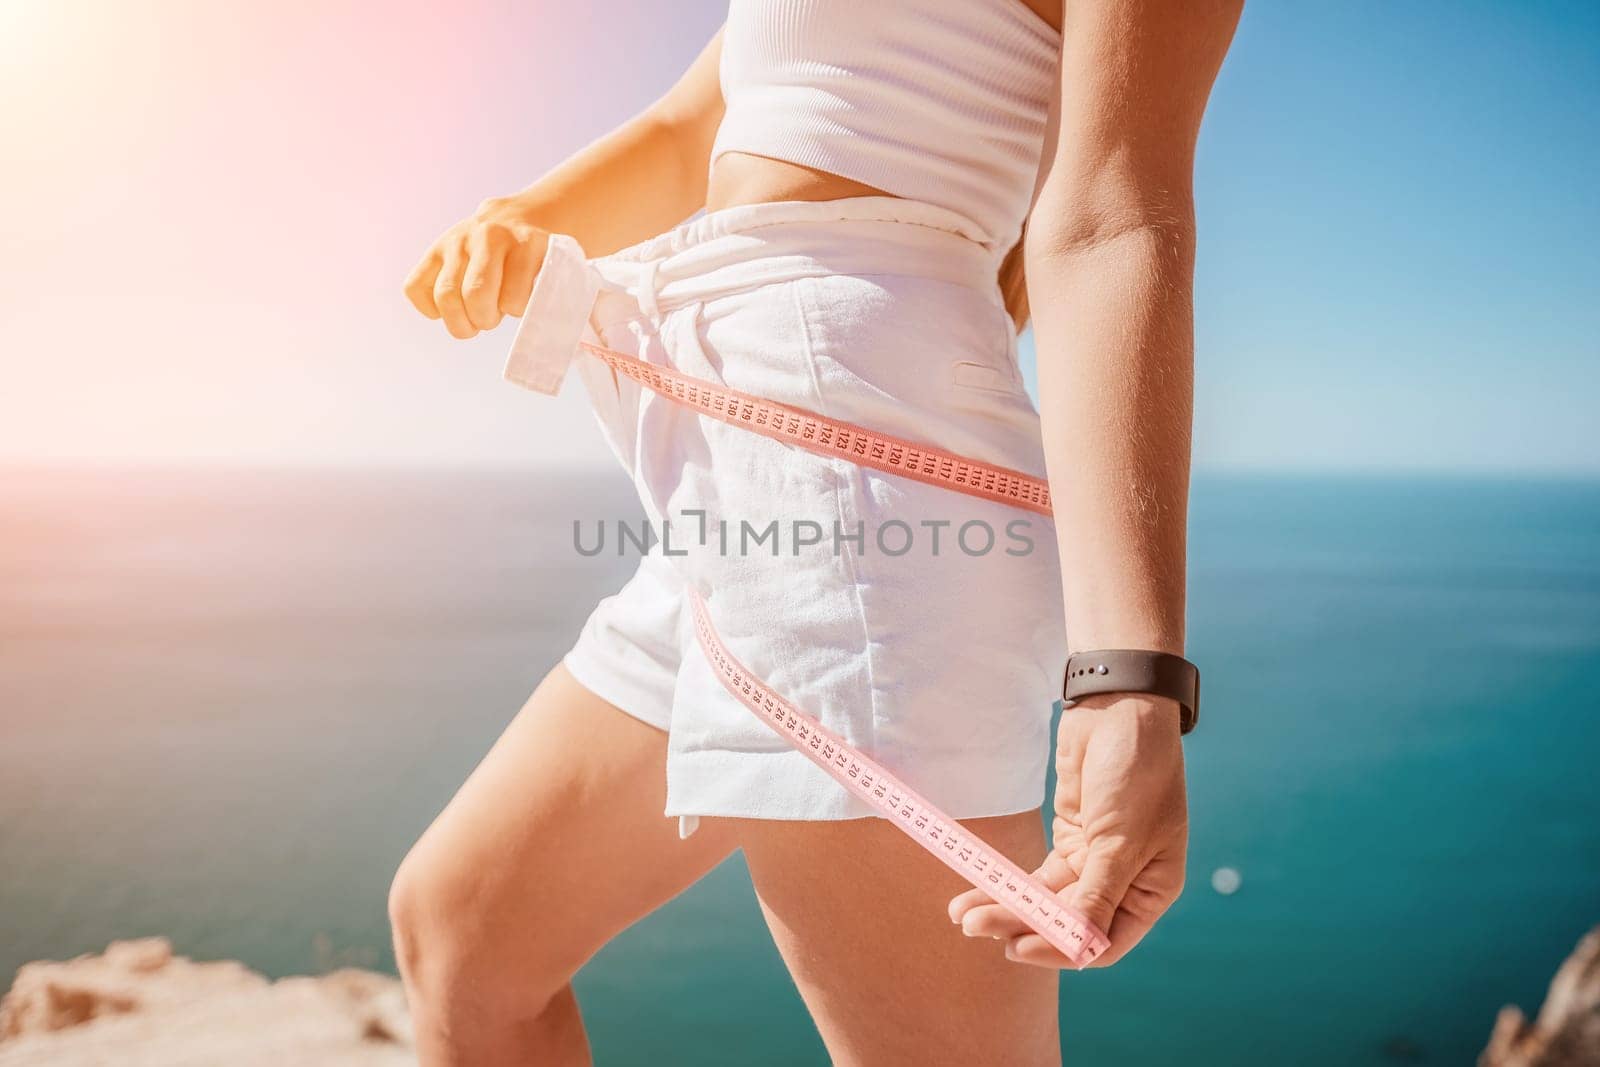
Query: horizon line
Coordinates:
[17,465]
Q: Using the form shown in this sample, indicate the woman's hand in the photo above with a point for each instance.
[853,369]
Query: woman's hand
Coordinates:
[1121,830]
[480,270]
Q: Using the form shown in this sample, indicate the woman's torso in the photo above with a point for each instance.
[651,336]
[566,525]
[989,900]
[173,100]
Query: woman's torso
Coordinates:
[746,178]
[743,177]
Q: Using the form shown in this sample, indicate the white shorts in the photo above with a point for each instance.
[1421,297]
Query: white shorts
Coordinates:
[923,625]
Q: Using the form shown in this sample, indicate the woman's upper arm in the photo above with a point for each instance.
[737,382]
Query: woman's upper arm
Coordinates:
[1135,77]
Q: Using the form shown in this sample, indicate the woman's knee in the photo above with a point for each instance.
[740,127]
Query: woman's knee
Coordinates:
[410,898]
[460,953]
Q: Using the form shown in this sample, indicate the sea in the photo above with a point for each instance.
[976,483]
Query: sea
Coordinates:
[231,698]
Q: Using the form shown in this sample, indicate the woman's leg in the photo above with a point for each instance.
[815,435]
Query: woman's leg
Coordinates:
[555,844]
[859,912]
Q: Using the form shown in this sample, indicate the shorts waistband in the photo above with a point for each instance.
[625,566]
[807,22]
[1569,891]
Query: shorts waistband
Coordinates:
[743,218]
[735,250]
[744,247]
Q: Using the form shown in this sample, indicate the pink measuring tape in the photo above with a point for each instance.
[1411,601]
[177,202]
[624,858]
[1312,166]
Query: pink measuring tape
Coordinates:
[1029,899]
[830,437]
[1065,928]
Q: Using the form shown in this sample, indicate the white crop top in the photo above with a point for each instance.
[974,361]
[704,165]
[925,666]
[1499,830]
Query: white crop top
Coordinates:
[937,100]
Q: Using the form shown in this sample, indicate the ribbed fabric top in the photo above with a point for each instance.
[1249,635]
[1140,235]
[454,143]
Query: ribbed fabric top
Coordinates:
[938,100]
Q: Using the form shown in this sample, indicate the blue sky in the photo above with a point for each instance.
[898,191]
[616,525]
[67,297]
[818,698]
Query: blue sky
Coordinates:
[1398,222]
[1399,264]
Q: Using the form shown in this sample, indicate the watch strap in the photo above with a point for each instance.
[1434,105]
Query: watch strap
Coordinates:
[1131,670]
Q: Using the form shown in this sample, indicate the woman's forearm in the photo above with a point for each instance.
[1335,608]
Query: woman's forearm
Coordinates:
[1110,265]
[644,177]
[1114,330]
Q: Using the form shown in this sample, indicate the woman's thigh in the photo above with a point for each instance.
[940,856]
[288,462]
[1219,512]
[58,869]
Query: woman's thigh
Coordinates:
[556,842]
[859,912]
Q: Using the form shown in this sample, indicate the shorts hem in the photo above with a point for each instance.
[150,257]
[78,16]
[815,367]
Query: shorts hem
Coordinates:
[632,698]
[784,786]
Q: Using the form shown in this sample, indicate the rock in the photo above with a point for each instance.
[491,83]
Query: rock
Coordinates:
[138,1005]
[130,976]
[140,957]
[1567,1031]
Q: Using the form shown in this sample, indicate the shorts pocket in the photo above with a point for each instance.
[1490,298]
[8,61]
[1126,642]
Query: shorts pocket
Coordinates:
[997,372]
[966,374]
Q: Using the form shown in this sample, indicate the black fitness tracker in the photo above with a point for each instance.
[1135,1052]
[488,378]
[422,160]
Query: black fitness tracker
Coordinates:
[1131,670]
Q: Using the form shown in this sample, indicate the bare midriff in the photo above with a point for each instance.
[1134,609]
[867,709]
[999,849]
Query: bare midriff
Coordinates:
[745,178]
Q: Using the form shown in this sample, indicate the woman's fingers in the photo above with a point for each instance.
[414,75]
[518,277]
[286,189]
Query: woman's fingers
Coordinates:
[447,293]
[993,920]
[1155,890]
[516,283]
[1103,892]
[419,284]
[480,284]
[481,270]
[1127,930]
[965,902]
[1031,948]
[1107,874]
[979,916]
